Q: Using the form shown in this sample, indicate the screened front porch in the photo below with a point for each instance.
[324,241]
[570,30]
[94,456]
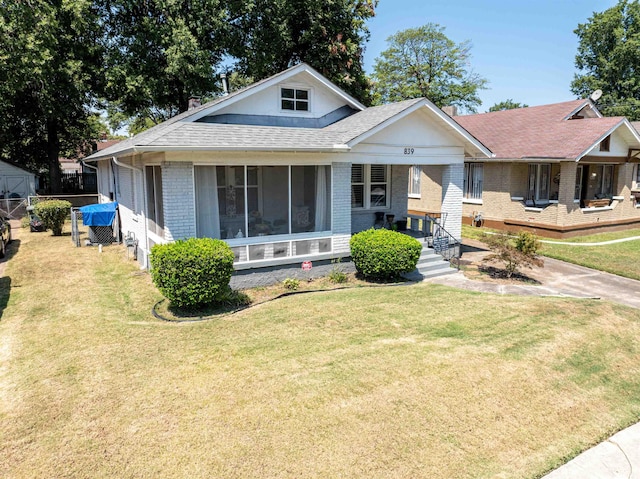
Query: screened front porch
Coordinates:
[265,212]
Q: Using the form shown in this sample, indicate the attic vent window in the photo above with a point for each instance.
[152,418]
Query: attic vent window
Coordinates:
[605,144]
[294,99]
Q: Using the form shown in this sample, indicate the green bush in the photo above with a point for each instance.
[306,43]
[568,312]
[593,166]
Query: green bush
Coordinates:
[383,254]
[291,284]
[527,243]
[514,253]
[53,213]
[192,272]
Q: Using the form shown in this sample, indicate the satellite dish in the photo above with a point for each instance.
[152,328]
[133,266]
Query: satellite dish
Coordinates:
[595,96]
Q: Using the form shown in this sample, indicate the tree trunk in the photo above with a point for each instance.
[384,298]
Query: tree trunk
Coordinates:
[53,154]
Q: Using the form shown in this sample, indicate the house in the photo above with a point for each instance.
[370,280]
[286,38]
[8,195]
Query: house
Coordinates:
[16,182]
[284,170]
[559,170]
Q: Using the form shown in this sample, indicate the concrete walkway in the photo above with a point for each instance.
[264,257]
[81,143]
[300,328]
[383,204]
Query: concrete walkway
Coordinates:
[619,456]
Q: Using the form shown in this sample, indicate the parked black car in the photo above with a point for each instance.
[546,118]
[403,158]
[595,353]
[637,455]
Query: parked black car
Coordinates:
[5,236]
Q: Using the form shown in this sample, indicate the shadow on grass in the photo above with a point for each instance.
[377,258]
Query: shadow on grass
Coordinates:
[12,249]
[5,292]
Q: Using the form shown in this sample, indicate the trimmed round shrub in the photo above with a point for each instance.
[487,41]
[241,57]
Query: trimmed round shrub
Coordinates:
[53,213]
[192,272]
[383,254]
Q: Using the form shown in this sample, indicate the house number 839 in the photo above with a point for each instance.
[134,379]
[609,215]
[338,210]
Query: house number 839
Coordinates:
[409,151]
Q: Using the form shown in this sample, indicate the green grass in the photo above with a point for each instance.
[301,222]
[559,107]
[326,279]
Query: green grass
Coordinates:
[619,258]
[403,381]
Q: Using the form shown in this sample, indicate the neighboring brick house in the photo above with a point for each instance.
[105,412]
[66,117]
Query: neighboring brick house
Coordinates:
[560,170]
[284,170]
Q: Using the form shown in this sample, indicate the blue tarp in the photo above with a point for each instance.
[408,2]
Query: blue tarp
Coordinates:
[99,215]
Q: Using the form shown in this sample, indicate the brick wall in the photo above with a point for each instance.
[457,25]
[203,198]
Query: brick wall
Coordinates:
[364,219]
[341,201]
[178,200]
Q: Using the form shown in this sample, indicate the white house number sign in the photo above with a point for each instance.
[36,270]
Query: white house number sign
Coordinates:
[409,151]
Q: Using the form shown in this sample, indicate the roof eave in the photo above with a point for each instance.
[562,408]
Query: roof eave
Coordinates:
[414,107]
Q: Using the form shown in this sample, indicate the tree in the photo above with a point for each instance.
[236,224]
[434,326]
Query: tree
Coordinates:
[423,62]
[160,53]
[51,57]
[513,252]
[608,59]
[507,105]
[269,36]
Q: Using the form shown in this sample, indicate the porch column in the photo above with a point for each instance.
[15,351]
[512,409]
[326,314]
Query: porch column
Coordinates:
[566,192]
[178,203]
[341,207]
[452,181]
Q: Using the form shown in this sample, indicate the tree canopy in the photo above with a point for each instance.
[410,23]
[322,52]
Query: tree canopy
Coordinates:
[507,105]
[269,36]
[424,62]
[64,60]
[608,59]
[159,53]
[50,52]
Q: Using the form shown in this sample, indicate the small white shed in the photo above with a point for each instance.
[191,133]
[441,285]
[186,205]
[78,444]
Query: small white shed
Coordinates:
[16,182]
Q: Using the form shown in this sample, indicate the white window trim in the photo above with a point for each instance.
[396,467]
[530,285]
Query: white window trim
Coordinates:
[310,99]
[468,179]
[367,190]
[413,194]
[538,183]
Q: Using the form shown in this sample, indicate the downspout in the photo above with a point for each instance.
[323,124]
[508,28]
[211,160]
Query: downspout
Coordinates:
[144,201]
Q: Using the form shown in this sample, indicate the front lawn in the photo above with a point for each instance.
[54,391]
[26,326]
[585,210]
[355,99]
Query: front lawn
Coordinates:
[401,381]
[619,258]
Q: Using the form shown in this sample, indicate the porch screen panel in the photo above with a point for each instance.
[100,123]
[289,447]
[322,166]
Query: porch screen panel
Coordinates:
[155,210]
[207,210]
[268,200]
[310,198]
[231,201]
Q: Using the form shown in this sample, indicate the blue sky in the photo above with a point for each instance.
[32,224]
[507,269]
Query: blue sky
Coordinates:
[525,48]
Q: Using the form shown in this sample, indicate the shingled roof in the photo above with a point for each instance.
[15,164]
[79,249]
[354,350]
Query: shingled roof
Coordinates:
[541,131]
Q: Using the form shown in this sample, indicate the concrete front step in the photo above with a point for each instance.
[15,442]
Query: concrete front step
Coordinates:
[431,265]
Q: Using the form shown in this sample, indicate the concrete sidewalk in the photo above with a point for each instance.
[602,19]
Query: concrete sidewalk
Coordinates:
[619,456]
[616,458]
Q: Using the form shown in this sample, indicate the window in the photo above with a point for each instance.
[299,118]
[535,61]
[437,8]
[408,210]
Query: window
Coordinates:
[370,186]
[601,181]
[638,174]
[473,178]
[414,181]
[578,188]
[605,144]
[539,183]
[155,213]
[294,99]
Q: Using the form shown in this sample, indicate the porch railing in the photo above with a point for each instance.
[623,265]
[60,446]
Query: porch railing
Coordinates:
[431,229]
[446,245]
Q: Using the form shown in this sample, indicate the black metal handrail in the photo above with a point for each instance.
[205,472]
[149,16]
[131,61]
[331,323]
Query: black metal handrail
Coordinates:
[443,243]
